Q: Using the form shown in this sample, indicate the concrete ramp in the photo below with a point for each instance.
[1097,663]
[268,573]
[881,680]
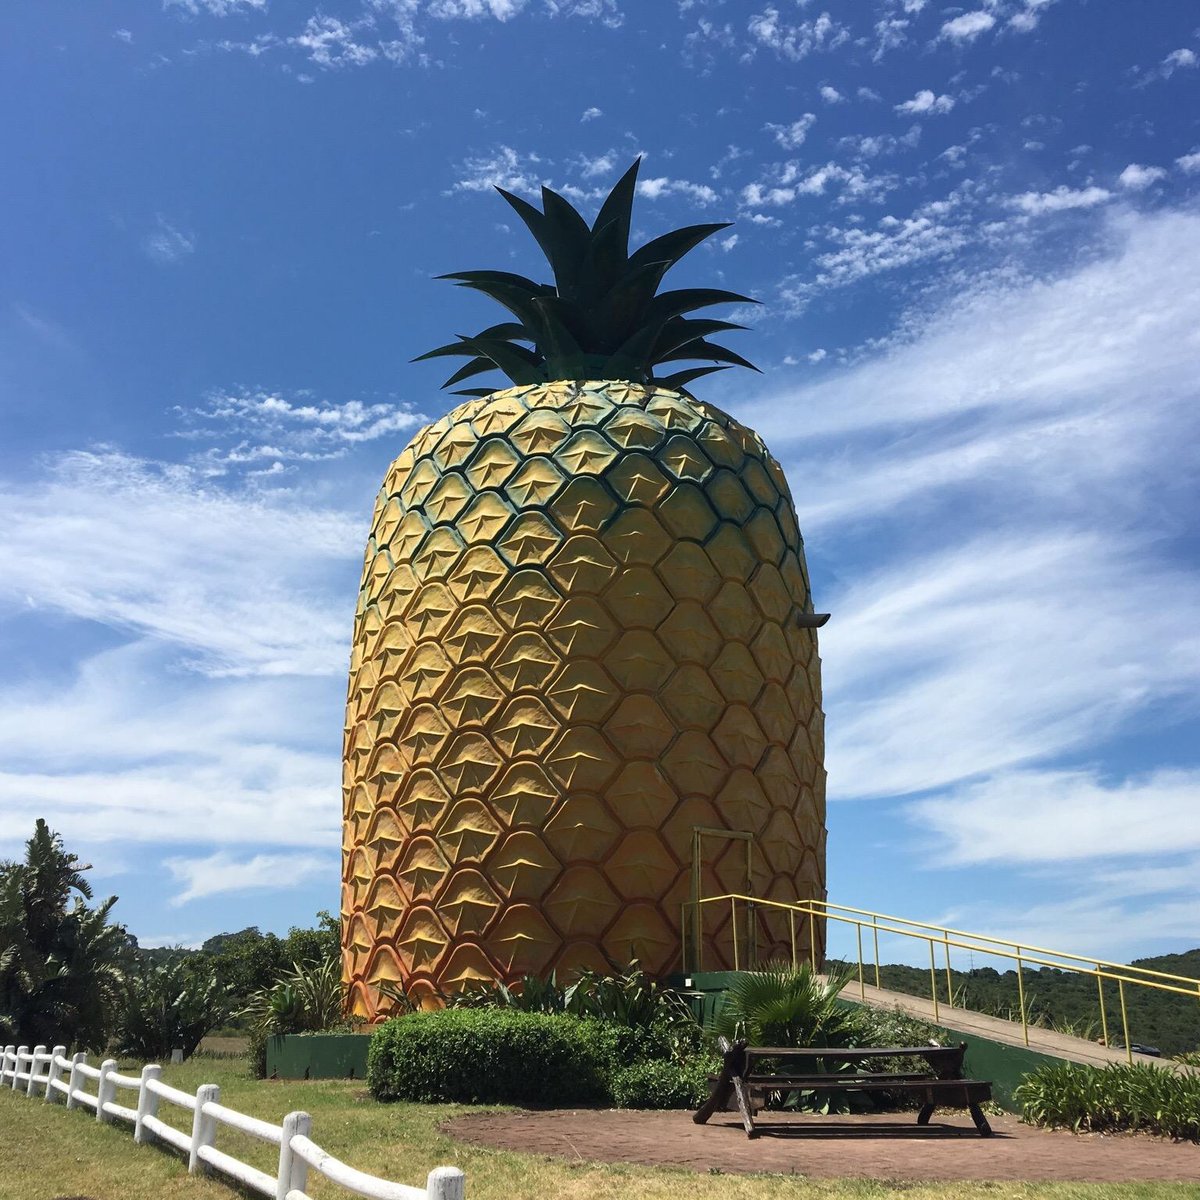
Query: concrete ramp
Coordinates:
[996,1029]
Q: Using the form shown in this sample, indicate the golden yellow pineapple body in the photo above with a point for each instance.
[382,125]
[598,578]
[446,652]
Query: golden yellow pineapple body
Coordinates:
[576,643]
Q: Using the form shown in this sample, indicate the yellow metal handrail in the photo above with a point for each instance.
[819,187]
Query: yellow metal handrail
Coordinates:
[1018,952]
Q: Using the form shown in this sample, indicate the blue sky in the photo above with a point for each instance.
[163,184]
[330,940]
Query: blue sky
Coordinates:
[975,232]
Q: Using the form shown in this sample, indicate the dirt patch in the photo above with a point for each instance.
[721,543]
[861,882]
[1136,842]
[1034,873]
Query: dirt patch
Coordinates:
[876,1146]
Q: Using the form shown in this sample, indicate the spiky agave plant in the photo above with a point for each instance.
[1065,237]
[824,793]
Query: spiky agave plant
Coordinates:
[583,633]
[602,318]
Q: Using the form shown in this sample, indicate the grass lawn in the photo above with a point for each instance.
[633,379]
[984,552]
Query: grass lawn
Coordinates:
[47,1153]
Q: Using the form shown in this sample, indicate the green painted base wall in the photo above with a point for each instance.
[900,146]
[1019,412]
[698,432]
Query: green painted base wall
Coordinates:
[318,1056]
[1003,1065]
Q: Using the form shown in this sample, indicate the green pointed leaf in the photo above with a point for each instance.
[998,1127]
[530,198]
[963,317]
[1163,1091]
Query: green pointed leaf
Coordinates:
[699,348]
[569,235]
[618,205]
[443,351]
[558,342]
[672,304]
[680,330]
[682,378]
[475,393]
[474,278]
[562,241]
[519,364]
[476,366]
[627,306]
[671,247]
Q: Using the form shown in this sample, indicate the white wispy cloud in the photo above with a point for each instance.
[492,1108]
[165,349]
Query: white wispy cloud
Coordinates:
[795,41]
[1025,20]
[216,8]
[831,95]
[504,167]
[1040,413]
[657,188]
[968,26]
[607,12]
[166,243]
[220,873]
[161,755]
[264,431]
[1189,163]
[926,103]
[1136,177]
[474,10]
[1058,816]
[330,42]
[1037,204]
[793,135]
[590,114]
[152,549]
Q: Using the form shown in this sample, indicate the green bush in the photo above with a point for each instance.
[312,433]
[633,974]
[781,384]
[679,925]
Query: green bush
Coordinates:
[491,1056]
[1116,1097]
[169,1006]
[660,1083]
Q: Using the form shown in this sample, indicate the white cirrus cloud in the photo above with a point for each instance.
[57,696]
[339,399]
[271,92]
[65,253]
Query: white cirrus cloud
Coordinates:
[662,186]
[795,41]
[220,873]
[926,103]
[504,167]
[793,135]
[1190,163]
[216,8]
[968,26]
[331,43]
[1136,178]
[831,95]
[1061,199]
[167,244]
[474,10]
[244,582]
[1057,816]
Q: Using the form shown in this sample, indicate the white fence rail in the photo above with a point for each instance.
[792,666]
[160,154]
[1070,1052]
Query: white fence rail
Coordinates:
[54,1076]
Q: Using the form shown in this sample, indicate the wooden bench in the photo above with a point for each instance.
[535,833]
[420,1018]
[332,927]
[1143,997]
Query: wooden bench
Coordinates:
[815,1069]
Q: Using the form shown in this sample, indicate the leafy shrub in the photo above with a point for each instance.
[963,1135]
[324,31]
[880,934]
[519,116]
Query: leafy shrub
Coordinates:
[1189,1058]
[310,998]
[169,1006]
[490,1056]
[661,1083]
[781,1005]
[1117,1097]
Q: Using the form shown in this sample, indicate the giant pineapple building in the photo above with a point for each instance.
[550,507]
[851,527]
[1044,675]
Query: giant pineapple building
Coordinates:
[584,689]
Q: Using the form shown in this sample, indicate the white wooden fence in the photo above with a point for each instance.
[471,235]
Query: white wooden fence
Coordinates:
[41,1072]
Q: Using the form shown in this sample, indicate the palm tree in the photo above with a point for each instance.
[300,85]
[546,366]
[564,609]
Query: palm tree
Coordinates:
[62,969]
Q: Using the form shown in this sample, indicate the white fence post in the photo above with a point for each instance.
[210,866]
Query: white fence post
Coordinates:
[53,1072]
[147,1102]
[105,1090]
[21,1052]
[293,1170]
[446,1183]
[38,1052]
[4,1063]
[73,1080]
[204,1129]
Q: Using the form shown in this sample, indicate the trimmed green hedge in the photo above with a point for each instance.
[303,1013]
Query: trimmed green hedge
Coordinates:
[660,1083]
[491,1056]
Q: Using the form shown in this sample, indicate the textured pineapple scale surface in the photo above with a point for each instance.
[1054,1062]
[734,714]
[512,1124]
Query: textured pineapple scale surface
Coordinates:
[576,641]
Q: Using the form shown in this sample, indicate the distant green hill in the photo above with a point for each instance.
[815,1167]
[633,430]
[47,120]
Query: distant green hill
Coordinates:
[1068,1002]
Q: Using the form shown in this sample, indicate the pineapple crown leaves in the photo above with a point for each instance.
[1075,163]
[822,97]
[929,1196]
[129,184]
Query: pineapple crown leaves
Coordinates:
[603,317]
